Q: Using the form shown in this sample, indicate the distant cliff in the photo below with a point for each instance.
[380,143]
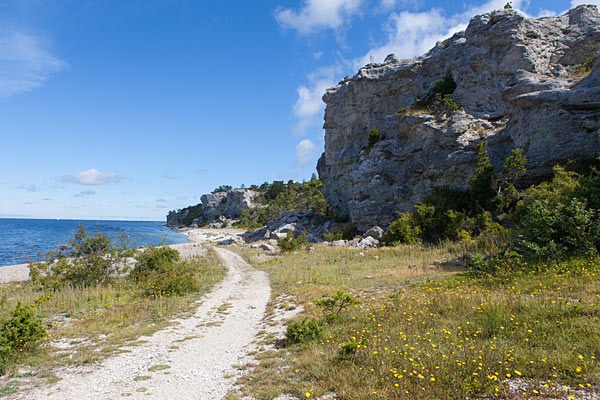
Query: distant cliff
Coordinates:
[397,130]
[213,207]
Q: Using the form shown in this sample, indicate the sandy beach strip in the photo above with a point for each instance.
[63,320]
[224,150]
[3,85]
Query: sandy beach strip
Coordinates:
[14,273]
[20,272]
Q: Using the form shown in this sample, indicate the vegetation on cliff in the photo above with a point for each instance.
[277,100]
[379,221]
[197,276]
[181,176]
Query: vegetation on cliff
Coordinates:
[277,197]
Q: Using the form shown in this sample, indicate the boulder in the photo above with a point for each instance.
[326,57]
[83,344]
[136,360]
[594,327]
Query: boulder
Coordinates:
[368,242]
[339,243]
[268,248]
[375,232]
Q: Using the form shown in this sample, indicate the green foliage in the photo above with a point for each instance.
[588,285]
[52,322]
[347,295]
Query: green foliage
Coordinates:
[291,243]
[373,137]
[194,212]
[348,350]
[483,183]
[21,332]
[455,215]
[222,188]
[350,232]
[334,304]
[441,88]
[332,237]
[88,260]
[562,217]
[513,168]
[278,197]
[154,259]
[159,272]
[508,6]
[303,331]
[403,230]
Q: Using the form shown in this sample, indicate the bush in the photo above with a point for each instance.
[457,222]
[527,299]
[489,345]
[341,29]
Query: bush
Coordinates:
[350,232]
[332,237]
[159,271]
[441,88]
[88,260]
[334,304]
[21,332]
[403,230]
[277,197]
[291,243]
[373,137]
[154,259]
[561,218]
[348,350]
[303,331]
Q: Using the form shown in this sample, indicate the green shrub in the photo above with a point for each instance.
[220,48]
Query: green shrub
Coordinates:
[561,218]
[154,259]
[350,232]
[482,184]
[373,137]
[303,331]
[277,197]
[403,230]
[159,271]
[441,88]
[348,350]
[291,243]
[87,260]
[332,237]
[334,304]
[194,212]
[21,332]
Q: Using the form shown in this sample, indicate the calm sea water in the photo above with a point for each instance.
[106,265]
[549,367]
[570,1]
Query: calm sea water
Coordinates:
[26,238]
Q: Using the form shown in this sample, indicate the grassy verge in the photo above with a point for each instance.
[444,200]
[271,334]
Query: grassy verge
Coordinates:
[420,333]
[86,324]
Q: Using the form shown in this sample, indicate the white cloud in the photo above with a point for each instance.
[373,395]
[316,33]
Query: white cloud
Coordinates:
[24,63]
[575,3]
[92,177]
[306,151]
[545,13]
[309,106]
[318,14]
[411,34]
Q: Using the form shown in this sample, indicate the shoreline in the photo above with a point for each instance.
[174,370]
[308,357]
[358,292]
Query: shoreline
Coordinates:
[195,236]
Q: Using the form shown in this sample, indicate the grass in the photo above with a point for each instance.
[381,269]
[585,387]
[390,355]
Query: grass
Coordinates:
[88,324]
[434,334]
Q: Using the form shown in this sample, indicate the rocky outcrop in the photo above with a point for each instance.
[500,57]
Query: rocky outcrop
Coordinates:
[312,224]
[517,83]
[214,208]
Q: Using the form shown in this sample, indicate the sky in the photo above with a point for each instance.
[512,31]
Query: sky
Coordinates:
[126,109]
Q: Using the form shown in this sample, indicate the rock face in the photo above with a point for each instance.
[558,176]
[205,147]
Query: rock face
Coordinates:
[228,204]
[516,80]
[215,208]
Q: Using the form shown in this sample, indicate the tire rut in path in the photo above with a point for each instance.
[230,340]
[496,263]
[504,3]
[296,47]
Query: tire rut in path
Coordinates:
[208,344]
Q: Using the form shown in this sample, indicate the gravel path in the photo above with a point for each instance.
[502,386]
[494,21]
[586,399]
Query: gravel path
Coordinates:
[189,360]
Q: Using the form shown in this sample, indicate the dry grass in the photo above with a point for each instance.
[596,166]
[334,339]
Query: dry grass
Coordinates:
[420,333]
[87,324]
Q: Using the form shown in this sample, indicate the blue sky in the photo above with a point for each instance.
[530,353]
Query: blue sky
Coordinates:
[124,109]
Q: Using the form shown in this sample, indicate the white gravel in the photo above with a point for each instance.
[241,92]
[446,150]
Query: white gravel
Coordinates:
[208,344]
[14,273]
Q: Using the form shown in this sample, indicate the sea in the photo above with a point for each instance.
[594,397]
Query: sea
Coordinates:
[24,239]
